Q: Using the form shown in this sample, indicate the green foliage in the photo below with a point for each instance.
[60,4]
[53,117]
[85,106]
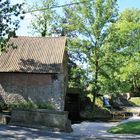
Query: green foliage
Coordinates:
[99,102]
[87,27]
[43,21]
[126,128]
[77,76]
[123,46]
[31,105]
[9,19]
[107,50]
[2,106]
[48,105]
[23,105]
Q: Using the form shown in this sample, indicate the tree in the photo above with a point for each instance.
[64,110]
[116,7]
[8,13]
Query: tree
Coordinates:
[77,76]
[44,20]
[9,19]
[125,42]
[87,24]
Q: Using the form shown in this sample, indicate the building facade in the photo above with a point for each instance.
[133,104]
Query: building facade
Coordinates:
[35,69]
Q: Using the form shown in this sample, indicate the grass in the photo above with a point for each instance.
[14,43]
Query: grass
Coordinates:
[126,128]
[135,100]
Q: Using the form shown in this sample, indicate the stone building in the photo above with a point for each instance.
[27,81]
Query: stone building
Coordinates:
[36,69]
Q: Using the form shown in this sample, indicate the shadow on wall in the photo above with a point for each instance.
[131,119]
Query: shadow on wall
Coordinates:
[9,98]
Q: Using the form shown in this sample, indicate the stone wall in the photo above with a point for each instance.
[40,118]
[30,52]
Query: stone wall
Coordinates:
[35,87]
[53,120]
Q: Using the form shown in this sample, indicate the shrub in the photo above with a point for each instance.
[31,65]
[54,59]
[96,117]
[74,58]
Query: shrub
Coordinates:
[22,105]
[48,105]
[31,105]
[3,106]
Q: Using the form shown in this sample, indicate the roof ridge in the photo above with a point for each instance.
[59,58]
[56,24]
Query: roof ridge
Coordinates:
[40,37]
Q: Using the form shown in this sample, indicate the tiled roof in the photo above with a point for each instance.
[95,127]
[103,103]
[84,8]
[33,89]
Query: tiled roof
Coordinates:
[33,54]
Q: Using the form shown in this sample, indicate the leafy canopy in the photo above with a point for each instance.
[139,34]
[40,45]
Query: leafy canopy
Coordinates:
[9,19]
[125,44]
[43,20]
[87,28]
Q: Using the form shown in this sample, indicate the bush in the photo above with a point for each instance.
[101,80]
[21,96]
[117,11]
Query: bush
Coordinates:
[22,105]
[31,105]
[3,106]
[48,105]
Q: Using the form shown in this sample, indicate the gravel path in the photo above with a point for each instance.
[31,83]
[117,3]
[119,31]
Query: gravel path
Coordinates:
[82,131]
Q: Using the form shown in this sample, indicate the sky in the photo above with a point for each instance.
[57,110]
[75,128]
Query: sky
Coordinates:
[24,25]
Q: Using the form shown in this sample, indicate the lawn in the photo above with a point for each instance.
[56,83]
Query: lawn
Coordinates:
[126,128]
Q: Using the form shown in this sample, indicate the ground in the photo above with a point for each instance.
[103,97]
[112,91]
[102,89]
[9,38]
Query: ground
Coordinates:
[82,131]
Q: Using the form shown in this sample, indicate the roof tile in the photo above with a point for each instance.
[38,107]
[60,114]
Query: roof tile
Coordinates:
[33,54]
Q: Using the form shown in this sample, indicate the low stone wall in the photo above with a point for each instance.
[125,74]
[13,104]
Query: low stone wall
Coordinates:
[41,118]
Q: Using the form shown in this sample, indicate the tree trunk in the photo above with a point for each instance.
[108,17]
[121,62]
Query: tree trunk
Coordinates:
[95,92]
[44,32]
